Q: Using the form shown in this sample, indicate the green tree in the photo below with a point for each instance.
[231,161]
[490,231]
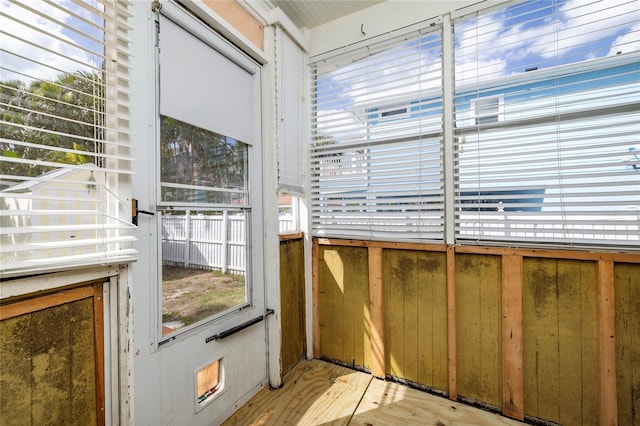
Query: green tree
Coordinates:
[67,112]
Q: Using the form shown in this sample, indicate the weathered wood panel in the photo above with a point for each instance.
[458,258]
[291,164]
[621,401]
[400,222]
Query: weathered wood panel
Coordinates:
[376,311]
[627,303]
[478,329]
[15,371]
[415,294]
[292,302]
[344,293]
[560,340]
[512,374]
[48,368]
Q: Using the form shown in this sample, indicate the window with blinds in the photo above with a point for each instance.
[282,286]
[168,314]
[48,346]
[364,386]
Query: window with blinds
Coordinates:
[377,145]
[64,141]
[546,113]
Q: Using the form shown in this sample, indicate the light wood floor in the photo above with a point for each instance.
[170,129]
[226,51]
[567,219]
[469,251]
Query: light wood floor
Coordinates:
[320,393]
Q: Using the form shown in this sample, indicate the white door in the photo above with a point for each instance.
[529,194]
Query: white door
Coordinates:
[199,316]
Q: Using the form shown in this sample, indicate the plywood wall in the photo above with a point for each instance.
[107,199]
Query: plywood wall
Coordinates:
[627,328]
[49,370]
[292,302]
[533,334]
[560,340]
[344,301]
[478,327]
[415,295]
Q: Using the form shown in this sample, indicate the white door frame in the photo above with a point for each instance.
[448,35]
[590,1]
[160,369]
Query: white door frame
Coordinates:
[162,384]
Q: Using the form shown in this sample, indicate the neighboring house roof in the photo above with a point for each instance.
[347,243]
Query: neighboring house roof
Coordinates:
[46,178]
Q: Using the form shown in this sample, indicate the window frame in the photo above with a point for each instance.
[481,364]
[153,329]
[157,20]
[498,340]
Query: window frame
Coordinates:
[480,117]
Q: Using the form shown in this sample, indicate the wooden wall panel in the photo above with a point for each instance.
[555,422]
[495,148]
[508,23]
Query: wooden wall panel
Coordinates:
[15,371]
[478,330]
[627,304]
[48,368]
[415,294]
[238,18]
[344,316]
[292,302]
[560,340]
[535,331]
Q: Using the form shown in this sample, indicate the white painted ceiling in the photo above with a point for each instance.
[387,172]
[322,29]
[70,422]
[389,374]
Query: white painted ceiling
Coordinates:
[312,13]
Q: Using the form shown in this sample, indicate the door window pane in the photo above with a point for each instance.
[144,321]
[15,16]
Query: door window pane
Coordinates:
[204,211]
[200,166]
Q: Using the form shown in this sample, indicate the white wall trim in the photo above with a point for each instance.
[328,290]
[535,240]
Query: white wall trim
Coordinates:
[278,17]
[45,282]
[383,18]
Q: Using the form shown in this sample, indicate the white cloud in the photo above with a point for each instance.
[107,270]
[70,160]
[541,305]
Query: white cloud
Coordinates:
[576,32]
[628,42]
[46,56]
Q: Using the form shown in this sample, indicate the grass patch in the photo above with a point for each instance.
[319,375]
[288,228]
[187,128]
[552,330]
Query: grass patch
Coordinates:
[190,295]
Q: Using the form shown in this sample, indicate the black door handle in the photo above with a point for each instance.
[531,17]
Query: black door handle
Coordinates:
[135,212]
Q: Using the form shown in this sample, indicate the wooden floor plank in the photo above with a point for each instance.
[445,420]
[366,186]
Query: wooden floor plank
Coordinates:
[314,393]
[319,393]
[388,403]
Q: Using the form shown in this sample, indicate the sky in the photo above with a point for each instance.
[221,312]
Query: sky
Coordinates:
[543,34]
[67,50]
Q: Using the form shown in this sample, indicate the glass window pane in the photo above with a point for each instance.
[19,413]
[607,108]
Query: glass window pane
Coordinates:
[203,265]
[200,166]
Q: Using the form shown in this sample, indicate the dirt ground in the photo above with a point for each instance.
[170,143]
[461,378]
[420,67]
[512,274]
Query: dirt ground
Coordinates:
[190,295]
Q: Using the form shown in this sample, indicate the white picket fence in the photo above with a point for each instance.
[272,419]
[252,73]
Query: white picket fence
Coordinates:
[208,242]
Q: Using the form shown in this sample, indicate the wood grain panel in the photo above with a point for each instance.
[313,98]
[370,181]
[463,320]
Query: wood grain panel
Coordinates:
[292,302]
[387,403]
[416,316]
[376,311]
[314,393]
[560,340]
[15,371]
[316,314]
[627,329]
[451,324]
[48,369]
[344,316]
[606,320]
[478,299]
[512,375]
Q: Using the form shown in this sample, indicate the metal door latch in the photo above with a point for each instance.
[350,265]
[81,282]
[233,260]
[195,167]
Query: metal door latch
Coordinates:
[135,212]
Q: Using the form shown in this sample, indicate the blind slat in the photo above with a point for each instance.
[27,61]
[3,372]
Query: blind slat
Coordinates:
[544,121]
[65,136]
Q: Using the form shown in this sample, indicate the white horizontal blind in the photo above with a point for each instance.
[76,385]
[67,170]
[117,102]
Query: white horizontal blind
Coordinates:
[546,123]
[64,141]
[376,154]
[290,109]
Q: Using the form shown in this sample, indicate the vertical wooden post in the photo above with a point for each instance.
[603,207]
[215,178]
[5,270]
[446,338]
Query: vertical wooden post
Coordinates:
[451,323]
[98,333]
[512,355]
[315,298]
[607,389]
[376,312]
